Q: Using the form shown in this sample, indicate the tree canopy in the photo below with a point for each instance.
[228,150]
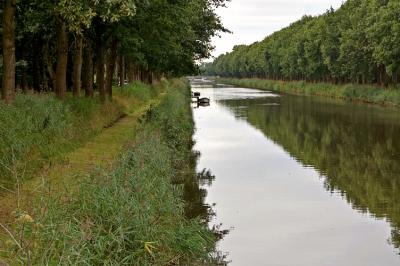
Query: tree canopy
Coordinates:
[357,43]
[62,45]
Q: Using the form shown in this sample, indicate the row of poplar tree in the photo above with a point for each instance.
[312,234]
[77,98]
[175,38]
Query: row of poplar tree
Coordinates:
[359,43]
[62,45]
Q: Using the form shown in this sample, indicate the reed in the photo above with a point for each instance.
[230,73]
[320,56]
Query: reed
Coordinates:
[132,214]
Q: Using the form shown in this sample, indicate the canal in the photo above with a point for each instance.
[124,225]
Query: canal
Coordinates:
[300,181]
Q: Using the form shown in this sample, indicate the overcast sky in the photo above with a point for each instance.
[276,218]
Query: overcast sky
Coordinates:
[253,20]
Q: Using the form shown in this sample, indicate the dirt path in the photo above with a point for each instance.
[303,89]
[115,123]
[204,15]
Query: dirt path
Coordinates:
[101,151]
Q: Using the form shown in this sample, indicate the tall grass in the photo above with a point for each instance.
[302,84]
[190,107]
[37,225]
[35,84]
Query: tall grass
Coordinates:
[39,128]
[363,93]
[130,215]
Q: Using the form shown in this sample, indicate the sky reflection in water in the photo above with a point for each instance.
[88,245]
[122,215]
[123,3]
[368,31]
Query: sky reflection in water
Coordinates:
[302,181]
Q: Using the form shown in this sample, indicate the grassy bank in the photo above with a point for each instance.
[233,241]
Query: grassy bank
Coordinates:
[38,129]
[362,93]
[129,215]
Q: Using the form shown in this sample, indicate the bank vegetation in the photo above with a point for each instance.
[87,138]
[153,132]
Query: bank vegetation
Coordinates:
[357,44]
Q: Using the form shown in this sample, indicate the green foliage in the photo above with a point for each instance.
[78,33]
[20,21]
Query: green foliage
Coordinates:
[133,214]
[158,37]
[78,15]
[176,123]
[355,92]
[39,128]
[138,90]
[358,43]
[168,36]
[27,126]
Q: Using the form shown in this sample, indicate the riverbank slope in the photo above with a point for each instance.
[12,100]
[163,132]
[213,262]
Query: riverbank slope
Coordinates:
[127,212]
[353,92]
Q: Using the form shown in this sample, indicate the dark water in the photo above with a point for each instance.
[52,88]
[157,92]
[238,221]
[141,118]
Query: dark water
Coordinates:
[301,181]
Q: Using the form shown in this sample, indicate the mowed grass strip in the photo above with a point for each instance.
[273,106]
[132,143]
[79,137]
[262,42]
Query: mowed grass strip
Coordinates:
[67,166]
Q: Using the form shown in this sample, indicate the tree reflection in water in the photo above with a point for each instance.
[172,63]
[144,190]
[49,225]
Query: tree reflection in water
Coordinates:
[195,193]
[356,148]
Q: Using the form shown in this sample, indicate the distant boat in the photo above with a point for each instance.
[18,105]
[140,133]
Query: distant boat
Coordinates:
[204,100]
[203,104]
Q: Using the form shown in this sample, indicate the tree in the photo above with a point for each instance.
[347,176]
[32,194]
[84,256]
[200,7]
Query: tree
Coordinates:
[384,33]
[66,45]
[77,69]
[62,60]
[8,89]
[356,43]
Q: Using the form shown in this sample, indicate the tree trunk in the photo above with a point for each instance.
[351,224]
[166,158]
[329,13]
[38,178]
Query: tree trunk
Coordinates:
[135,73]
[62,60]
[24,74]
[111,67]
[8,89]
[48,67]
[36,64]
[24,81]
[88,73]
[100,71]
[150,77]
[121,70]
[77,72]
[141,74]
[131,73]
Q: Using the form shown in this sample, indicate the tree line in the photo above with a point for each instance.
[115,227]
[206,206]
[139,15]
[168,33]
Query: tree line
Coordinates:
[81,45]
[358,43]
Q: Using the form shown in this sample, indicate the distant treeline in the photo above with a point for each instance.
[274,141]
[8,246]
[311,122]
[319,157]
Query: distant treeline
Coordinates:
[358,43]
[59,45]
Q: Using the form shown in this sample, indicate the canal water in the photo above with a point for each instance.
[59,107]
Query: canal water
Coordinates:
[300,181]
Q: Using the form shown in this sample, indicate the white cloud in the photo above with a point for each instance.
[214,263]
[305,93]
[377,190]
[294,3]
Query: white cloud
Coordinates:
[253,20]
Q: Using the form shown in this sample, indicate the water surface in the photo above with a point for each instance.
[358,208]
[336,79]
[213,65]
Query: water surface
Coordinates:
[301,181]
